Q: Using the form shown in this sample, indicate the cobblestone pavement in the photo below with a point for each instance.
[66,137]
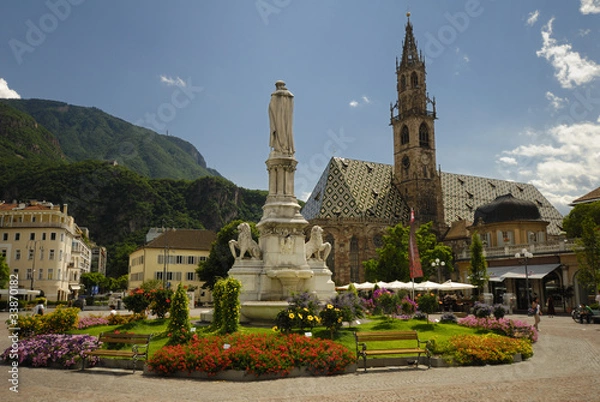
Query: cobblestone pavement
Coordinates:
[565,367]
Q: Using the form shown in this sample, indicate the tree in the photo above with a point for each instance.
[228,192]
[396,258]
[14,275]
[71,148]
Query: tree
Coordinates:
[588,254]
[478,268]
[573,222]
[91,279]
[4,272]
[220,260]
[179,326]
[392,263]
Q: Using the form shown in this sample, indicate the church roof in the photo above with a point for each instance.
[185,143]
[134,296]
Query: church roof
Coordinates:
[351,188]
[507,208]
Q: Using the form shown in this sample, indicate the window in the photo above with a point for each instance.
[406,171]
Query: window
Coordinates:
[17,254]
[190,276]
[50,273]
[62,237]
[51,254]
[404,138]
[202,258]
[354,260]
[414,80]
[3,253]
[44,236]
[53,236]
[31,236]
[30,254]
[17,236]
[423,135]
[59,274]
[40,273]
[29,273]
[179,259]
[60,255]
[158,275]
[402,83]
[5,237]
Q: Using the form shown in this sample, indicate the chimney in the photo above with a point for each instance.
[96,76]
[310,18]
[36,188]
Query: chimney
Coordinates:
[65,209]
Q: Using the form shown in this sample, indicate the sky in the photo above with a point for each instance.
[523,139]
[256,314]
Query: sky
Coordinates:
[517,83]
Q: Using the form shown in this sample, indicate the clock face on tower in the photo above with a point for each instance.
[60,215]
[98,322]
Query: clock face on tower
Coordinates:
[425,159]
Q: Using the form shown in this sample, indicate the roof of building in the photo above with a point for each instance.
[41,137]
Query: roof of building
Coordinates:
[29,206]
[352,188]
[507,208]
[592,196]
[190,239]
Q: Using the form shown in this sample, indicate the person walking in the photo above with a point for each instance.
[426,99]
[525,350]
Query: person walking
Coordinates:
[550,307]
[537,312]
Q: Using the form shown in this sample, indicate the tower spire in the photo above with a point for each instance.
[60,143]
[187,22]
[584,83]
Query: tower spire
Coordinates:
[410,53]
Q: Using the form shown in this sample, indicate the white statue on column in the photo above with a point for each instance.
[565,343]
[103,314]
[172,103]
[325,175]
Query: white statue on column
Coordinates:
[281,109]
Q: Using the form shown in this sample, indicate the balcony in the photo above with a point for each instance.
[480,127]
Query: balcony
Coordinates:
[548,248]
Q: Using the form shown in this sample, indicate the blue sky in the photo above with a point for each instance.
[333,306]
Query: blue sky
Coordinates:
[517,83]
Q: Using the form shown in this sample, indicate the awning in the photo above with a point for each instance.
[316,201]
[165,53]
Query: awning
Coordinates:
[518,272]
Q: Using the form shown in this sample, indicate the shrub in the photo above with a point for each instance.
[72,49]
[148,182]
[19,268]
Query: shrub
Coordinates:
[40,350]
[487,349]
[302,313]
[90,321]
[502,326]
[499,311]
[279,354]
[137,301]
[385,302]
[350,304]
[332,318]
[427,303]
[448,317]
[119,319]
[160,301]
[179,327]
[59,321]
[226,293]
[482,310]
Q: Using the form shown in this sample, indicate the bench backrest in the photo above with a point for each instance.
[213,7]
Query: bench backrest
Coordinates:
[386,336]
[134,339]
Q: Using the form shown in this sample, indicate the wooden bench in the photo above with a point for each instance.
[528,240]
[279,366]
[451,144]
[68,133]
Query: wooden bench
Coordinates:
[408,344]
[139,347]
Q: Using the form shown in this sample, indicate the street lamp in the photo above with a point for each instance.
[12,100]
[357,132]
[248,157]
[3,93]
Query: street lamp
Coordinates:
[34,249]
[524,255]
[166,254]
[437,263]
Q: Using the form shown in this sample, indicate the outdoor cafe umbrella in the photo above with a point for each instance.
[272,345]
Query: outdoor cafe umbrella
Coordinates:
[449,285]
[399,285]
[428,285]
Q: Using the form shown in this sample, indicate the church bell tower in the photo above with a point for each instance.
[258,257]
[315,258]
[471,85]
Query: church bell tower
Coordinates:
[412,119]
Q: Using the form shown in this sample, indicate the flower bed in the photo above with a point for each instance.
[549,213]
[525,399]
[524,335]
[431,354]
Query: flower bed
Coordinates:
[44,350]
[256,354]
[502,326]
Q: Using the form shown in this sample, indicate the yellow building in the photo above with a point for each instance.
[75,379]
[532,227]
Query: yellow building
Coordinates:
[172,257]
[44,246]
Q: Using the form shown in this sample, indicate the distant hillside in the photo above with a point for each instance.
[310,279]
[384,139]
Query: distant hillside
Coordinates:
[21,137]
[87,133]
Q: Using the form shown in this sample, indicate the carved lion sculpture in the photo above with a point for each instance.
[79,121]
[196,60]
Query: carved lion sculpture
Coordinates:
[315,246]
[245,243]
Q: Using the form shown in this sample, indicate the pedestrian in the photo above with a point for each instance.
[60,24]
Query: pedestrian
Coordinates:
[39,307]
[537,312]
[598,299]
[113,310]
[550,307]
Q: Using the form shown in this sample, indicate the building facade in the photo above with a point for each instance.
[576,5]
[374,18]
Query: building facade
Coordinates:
[44,246]
[172,256]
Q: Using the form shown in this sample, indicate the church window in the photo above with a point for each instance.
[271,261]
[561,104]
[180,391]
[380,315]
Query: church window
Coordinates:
[331,258]
[354,263]
[414,80]
[404,135]
[402,82]
[423,136]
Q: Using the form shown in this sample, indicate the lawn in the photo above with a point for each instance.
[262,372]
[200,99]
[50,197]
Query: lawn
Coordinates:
[345,336]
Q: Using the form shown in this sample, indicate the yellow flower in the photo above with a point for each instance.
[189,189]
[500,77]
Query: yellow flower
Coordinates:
[329,306]
[291,315]
[310,318]
[275,328]
[299,315]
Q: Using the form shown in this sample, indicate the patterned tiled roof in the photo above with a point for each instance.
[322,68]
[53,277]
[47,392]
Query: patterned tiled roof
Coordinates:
[351,189]
[354,189]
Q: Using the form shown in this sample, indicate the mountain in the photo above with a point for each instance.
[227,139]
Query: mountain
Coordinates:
[88,133]
[22,137]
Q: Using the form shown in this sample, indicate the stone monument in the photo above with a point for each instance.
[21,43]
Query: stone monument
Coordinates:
[283,262]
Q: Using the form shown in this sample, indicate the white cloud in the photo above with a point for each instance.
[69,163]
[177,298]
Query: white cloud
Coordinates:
[555,101]
[364,100]
[6,92]
[562,164]
[590,7]
[533,17]
[570,67]
[584,32]
[177,82]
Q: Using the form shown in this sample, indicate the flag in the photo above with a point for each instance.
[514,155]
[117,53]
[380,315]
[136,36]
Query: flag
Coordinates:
[414,261]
